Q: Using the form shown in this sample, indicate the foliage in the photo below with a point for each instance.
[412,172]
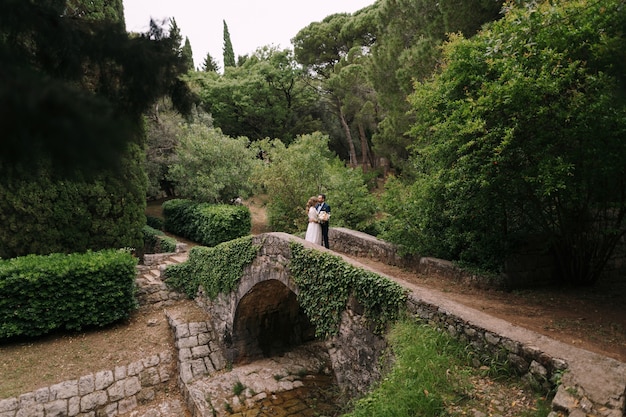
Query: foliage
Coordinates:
[217,269]
[334,55]
[306,168]
[410,34]
[229,53]
[263,97]
[155,241]
[206,224]
[325,282]
[71,174]
[111,10]
[41,213]
[154,222]
[97,92]
[430,375]
[520,138]
[41,294]
[210,64]
[210,166]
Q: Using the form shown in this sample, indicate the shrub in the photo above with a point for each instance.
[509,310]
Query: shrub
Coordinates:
[41,213]
[206,224]
[154,222]
[40,294]
[155,241]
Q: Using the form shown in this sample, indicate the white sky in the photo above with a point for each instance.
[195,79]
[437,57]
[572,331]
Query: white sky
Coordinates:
[251,23]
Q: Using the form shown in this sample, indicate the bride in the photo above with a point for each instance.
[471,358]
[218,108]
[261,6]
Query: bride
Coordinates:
[314,229]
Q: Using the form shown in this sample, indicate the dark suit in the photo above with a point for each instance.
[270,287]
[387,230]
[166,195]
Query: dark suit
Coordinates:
[324,207]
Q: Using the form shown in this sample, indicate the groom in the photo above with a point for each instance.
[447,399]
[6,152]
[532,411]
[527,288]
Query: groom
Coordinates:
[322,206]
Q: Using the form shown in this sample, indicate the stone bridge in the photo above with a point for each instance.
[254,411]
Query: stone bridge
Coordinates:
[262,317]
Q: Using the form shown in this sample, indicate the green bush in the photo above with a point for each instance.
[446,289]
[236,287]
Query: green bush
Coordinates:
[154,222]
[206,224]
[155,241]
[41,213]
[41,294]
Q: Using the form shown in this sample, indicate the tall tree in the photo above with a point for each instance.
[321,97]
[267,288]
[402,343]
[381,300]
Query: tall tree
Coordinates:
[111,10]
[520,140]
[187,55]
[333,52]
[410,33]
[229,53]
[210,64]
[72,91]
[264,97]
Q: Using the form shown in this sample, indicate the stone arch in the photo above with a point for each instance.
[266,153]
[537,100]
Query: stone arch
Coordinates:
[268,321]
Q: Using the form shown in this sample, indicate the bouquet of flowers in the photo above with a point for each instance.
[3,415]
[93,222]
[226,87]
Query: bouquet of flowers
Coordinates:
[323,216]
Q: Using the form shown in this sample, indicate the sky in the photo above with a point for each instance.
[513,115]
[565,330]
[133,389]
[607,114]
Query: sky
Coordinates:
[251,23]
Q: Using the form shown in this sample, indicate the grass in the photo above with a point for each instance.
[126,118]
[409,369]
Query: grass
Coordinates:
[431,376]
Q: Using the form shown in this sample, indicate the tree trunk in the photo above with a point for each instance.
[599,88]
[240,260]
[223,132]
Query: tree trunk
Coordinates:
[346,129]
[366,156]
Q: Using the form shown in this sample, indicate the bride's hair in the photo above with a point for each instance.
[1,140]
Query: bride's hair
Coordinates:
[311,203]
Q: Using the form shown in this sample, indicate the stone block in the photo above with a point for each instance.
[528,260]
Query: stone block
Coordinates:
[42,395]
[64,390]
[57,408]
[89,402]
[73,406]
[131,386]
[104,379]
[185,372]
[149,377]
[134,368]
[110,410]
[151,361]
[35,410]
[126,405]
[204,338]
[197,328]
[27,399]
[200,351]
[119,372]
[146,395]
[184,354]
[187,342]
[116,391]
[9,404]
[182,331]
[86,384]
[164,373]
[198,368]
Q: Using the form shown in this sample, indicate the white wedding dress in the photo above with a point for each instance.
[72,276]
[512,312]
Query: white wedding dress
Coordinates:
[314,229]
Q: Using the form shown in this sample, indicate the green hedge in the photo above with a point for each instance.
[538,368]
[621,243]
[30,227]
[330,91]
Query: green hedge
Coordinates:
[42,214]
[155,241]
[41,294]
[154,222]
[206,224]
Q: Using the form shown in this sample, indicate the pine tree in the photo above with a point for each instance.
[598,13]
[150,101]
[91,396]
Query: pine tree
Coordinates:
[229,53]
[210,64]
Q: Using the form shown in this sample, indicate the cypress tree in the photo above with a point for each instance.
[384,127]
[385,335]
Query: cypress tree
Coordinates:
[229,53]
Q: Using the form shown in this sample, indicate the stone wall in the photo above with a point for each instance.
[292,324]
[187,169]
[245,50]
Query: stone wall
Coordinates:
[105,393]
[589,384]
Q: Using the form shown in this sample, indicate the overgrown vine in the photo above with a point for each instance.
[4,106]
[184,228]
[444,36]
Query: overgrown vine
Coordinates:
[326,282]
[217,269]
